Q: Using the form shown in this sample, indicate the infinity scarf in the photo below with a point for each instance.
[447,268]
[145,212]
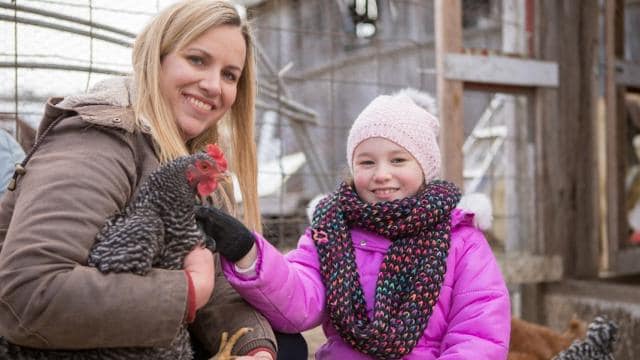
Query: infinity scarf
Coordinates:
[411,273]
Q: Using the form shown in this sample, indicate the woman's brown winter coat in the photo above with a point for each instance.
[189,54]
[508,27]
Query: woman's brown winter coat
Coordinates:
[88,167]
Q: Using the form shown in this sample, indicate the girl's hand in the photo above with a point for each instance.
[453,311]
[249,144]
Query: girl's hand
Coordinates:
[233,239]
[200,266]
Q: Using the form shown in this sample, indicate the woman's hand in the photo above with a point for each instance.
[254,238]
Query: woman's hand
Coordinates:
[200,266]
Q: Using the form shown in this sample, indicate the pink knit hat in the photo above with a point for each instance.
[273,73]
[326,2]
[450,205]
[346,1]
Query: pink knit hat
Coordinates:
[398,118]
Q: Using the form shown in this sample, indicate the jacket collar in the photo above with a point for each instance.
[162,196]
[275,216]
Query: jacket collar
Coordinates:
[461,217]
[107,104]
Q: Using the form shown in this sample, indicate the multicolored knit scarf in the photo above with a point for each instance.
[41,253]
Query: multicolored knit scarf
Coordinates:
[411,272]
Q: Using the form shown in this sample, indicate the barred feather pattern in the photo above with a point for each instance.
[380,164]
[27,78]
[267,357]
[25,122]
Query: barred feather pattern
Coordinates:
[597,344]
[157,229]
[411,273]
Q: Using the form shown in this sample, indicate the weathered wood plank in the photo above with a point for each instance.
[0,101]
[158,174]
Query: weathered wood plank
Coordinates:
[530,269]
[566,165]
[615,131]
[501,70]
[448,29]
[628,74]
[625,261]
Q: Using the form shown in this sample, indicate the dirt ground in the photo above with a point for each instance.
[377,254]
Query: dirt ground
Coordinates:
[314,338]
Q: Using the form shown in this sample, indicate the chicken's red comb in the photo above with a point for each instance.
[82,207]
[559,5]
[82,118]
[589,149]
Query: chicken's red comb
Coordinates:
[216,153]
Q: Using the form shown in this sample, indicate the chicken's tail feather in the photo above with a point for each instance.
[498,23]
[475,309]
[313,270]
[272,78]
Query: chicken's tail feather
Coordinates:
[597,345]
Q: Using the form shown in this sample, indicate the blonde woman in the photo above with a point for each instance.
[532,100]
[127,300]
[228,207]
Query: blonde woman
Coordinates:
[193,73]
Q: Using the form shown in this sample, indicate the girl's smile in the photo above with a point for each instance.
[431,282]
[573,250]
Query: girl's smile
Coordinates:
[385,171]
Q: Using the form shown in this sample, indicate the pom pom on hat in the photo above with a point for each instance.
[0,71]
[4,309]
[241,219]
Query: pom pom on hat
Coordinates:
[422,99]
[403,119]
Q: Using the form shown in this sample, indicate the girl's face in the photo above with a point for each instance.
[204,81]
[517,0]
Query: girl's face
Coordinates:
[200,81]
[385,171]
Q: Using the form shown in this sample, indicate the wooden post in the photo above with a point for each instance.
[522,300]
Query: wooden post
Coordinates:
[566,175]
[615,132]
[448,29]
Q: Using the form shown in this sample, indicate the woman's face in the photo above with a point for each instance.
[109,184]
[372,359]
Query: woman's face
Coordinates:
[200,81]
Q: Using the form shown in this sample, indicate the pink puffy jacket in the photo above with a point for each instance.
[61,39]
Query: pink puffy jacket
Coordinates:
[471,319]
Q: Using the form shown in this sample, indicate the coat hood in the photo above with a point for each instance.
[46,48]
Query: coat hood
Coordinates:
[479,205]
[116,91]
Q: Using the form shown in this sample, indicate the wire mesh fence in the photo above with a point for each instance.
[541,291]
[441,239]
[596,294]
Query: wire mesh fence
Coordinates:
[319,64]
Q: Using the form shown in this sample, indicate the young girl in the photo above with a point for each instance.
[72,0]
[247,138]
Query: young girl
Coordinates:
[390,267]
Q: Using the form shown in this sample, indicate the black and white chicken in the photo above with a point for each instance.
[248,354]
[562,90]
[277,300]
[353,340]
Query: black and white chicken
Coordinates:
[597,344]
[157,229]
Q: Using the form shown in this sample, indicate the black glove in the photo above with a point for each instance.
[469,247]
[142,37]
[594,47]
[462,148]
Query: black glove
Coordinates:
[232,239]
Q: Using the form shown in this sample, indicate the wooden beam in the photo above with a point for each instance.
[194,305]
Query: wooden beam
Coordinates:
[499,88]
[615,131]
[448,29]
[628,74]
[584,244]
[501,70]
[626,261]
[521,268]
[586,290]
[566,185]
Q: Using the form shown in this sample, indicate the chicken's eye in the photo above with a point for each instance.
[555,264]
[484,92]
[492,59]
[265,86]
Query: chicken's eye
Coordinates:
[203,165]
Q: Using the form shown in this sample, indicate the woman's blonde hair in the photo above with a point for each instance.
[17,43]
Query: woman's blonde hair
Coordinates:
[173,29]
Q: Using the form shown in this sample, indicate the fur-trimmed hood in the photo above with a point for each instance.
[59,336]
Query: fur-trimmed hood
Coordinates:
[108,103]
[115,91]
[479,205]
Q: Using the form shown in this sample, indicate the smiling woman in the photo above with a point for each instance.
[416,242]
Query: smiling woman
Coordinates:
[200,82]
[193,67]
[196,36]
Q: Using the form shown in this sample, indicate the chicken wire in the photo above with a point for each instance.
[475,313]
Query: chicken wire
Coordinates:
[316,72]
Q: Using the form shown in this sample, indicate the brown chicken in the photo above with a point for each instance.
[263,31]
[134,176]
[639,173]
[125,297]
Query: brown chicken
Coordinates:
[530,341]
